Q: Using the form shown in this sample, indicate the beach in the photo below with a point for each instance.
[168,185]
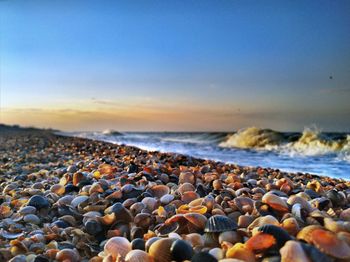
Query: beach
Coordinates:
[75,199]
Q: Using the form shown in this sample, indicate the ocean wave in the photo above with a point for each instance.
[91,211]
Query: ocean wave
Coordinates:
[310,142]
[111,132]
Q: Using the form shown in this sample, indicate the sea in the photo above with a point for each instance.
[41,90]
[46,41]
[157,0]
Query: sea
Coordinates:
[311,151]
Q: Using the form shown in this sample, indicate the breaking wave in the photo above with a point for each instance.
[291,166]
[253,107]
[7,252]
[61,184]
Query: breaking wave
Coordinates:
[310,142]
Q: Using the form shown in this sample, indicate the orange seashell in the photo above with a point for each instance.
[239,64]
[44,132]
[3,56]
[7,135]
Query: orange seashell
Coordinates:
[108,219]
[189,196]
[240,251]
[305,233]
[291,226]
[106,169]
[260,242]
[78,177]
[275,202]
[329,243]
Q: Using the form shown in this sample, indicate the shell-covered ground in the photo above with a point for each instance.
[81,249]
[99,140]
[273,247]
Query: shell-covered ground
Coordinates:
[71,199]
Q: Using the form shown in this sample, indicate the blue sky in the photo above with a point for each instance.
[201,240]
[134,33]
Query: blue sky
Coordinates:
[175,65]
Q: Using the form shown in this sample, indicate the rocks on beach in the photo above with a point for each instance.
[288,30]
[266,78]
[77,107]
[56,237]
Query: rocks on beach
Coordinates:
[71,199]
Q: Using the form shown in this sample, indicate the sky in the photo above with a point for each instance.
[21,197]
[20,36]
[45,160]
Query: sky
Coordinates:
[175,65]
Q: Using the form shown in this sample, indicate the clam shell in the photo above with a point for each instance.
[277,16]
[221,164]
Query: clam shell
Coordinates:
[329,243]
[137,256]
[220,223]
[160,250]
[159,190]
[240,251]
[117,246]
[68,255]
[166,199]
[181,250]
[277,232]
[292,251]
[264,220]
[275,202]
[79,200]
[260,242]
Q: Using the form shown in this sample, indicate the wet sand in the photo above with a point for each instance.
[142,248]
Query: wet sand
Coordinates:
[72,199]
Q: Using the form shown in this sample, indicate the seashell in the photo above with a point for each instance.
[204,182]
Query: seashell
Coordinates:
[58,189]
[159,190]
[143,220]
[219,223]
[10,235]
[203,256]
[107,219]
[117,247]
[138,243]
[264,220]
[245,220]
[260,242]
[195,239]
[240,251]
[314,254]
[137,208]
[27,210]
[244,204]
[305,233]
[68,255]
[121,213]
[315,186]
[277,232]
[295,199]
[336,226]
[230,236]
[31,219]
[77,178]
[320,203]
[39,202]
[336,198]
[160,250]
[95,188]
[150,241]
[181,250]
[291,226]
[166,199]
[79,200]
[292,251]
[330,244]
[137,256]
[211,240]
[150,203]
[217,184]
[345,214]
[216,252]
[93,226]
[344,236]
[186,177]
[275,202]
